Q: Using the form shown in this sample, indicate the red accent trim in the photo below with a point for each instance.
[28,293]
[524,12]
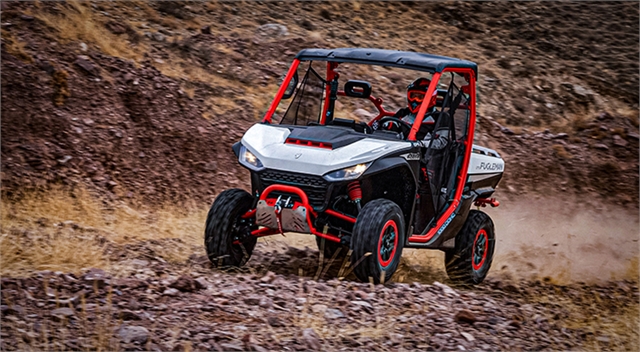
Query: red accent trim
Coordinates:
[265,231]
[280,93]
[249,214]
[395,243]
[381,111]
[377,102]
[326,236]
[305,203]
[306,143]
[484,254]
[290,189]
[482,202]
[354,190]
[465,164]
[423,107]
[340,215]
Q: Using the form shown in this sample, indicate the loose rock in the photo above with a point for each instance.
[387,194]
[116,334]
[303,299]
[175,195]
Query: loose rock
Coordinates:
[130,334]
[465,316]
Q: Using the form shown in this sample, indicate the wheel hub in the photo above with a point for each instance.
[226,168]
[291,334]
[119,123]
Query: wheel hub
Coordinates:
[241,230]
[387,246]
[479,253]
[388,243]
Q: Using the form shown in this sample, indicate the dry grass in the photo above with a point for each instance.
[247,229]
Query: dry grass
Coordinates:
[620,132]
[67,231]
[312,316]
[96,324]
[23,252]
[633,115]
[356,5]
[77,23]
[599,134]
[601,318]
[181,70]
[15,47]
[60,87]
[189,90]
[561,152]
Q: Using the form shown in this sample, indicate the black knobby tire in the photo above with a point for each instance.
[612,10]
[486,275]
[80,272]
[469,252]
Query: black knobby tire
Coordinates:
[379,230]
[225,226]
[329,248]
[470,260]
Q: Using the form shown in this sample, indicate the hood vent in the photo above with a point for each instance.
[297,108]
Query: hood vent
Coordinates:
[308,143]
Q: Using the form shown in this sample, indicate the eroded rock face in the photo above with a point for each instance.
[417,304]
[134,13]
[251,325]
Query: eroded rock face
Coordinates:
[537,76]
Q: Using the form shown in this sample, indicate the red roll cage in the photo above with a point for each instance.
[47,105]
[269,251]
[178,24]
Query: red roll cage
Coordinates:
[468,73]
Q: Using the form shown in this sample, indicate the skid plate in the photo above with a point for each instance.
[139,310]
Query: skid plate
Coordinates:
[293,219]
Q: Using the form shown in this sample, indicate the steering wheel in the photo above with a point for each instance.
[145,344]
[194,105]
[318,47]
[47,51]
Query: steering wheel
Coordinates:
[405,127]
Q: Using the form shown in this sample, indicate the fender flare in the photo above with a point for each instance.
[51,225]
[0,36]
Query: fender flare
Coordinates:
[382,165]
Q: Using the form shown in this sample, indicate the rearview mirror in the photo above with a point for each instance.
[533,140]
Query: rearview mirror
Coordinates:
[357,89]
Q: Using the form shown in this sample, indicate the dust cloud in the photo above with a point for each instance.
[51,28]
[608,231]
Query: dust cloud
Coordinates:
[549,239]
[557,239]
[565,242]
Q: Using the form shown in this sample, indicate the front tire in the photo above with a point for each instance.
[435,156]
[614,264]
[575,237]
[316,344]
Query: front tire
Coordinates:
[227,235]
[377,241]
[470,260]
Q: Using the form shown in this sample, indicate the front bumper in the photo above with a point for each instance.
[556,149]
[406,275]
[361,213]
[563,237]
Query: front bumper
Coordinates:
[286,214]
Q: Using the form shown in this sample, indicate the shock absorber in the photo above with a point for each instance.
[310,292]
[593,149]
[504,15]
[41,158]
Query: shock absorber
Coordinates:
[355,193]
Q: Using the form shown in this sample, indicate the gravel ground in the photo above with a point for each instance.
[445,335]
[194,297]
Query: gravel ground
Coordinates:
[149,304]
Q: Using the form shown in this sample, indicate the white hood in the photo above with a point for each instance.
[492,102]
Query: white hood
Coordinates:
[267,142]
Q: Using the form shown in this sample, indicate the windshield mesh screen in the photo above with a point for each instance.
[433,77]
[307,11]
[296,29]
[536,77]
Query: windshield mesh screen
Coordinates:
[307,103]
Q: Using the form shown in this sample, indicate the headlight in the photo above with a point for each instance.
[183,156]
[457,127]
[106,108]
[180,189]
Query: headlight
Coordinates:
[350,173]
[249,160]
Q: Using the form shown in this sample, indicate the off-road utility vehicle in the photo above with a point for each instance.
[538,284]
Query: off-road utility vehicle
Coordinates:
[369,185]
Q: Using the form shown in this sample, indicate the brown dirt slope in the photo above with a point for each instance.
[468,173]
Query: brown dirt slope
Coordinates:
[143,100]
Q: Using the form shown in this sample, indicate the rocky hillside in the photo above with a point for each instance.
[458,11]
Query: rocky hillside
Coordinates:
[140,100]
[117,123]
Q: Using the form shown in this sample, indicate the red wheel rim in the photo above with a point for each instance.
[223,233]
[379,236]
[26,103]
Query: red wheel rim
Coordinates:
[479,249]
[387,243]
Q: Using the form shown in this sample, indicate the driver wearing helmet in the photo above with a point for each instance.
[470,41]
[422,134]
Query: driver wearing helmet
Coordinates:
[415,96]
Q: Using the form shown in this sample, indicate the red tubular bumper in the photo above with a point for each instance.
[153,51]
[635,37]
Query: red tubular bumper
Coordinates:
[289,189]
[304,203]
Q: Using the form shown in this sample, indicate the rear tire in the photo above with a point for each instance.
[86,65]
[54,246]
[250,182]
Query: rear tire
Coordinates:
[379,232]
[225,226]
[470,260]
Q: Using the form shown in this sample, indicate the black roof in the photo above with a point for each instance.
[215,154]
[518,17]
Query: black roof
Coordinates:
[404,59]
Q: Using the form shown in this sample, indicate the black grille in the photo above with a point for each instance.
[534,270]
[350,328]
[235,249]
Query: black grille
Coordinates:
[314,186]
